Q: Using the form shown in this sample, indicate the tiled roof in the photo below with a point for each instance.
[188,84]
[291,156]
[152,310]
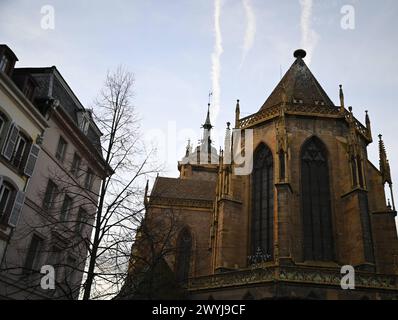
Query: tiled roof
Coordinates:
[300,85]
[184,189]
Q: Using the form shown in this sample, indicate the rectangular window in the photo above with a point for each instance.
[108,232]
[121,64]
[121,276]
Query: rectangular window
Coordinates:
[4,63]
[81,219]
[5,195]
[75,169]
[50,195]
[66,207]
[29,90]
[19,151]
[88,184]
[85,124]
[33,255]
[61,149]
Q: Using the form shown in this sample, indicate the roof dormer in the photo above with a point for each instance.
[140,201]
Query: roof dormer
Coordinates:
[7,60]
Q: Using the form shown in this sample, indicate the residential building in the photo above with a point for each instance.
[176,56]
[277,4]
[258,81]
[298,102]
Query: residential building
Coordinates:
[61,198]
[21,131]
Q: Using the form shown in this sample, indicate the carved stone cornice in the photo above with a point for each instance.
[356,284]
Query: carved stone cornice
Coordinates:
[322,111]
[292,274]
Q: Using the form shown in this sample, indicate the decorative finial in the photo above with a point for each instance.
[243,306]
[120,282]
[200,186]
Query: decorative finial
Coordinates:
[237,114]
[368,126]
[380,136]
[341,94]
[188,148]
[350,109]
[228,124]
[300,53]
[210,94]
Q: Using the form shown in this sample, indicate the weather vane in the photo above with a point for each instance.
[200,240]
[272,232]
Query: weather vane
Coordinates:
[210,94]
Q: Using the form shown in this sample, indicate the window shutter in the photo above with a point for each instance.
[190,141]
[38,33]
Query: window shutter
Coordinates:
[16,209]
[32,158]
[12,137]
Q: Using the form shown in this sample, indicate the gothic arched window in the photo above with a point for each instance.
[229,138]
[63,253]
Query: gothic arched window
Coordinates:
[315,202]
[183,255]
[262,218]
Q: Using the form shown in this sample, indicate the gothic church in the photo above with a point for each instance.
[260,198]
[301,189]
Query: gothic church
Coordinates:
[311,204]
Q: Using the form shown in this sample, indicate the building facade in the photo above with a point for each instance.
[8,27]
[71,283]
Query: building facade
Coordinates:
[60,200]
[311,204]
[21,130]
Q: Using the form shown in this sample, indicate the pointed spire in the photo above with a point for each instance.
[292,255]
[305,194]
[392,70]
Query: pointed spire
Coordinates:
[341,94]
[188,148]
[237,114]
[207,124]
[384,165]
[227,143]
[367,121]
[205,144]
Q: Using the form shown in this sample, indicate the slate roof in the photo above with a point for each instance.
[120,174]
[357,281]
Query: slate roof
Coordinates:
[299,84]
[49,85]
[184,189]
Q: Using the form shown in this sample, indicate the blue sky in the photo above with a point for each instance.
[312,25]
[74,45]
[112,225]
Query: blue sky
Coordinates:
[169,45]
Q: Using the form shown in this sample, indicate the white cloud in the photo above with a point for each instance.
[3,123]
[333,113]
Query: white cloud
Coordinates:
[216,60]
[250,29]
[309,37]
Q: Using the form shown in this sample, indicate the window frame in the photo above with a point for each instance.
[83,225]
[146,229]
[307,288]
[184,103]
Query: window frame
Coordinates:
[48,201]
[315,192]
[5,63]
[81,220]
[262,193]
[60,154]
[65,215]
[30,267]
[75,169]
[3,187]
[89,180]
[184,255]
[18,163]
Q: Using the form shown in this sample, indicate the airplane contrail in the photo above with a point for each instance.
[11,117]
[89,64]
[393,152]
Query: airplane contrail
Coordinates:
[309,37]
[250,29]
[215,60]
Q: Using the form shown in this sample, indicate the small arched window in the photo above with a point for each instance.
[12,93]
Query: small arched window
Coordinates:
[316,202]
[183,255]
[262,218]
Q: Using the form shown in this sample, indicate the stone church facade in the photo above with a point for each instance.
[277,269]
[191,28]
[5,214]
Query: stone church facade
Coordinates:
[311,203]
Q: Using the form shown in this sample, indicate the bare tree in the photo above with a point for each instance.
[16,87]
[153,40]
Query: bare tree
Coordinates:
[120,202]
[107,226]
